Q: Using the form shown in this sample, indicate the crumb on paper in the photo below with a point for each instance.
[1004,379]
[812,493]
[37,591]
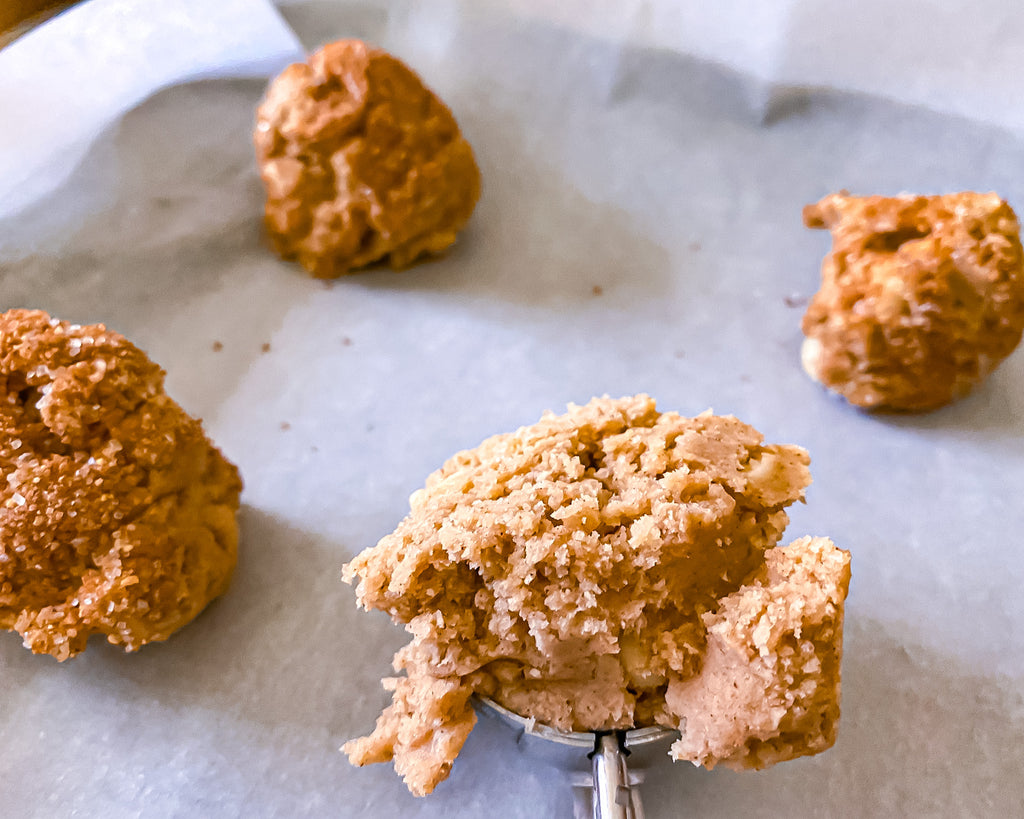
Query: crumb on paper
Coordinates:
[217,346]
[921,297]
[118,515]
[285,426]
[597,290]
[346,342]
[265,347]
[612,567]
[361,163]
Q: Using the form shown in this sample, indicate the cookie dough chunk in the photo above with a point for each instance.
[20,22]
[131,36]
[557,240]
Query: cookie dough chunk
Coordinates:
[769,687]
[921,297]
[361,163]
[580,570]
[117,514]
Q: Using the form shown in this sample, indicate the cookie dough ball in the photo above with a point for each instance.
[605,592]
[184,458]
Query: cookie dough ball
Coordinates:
[117,514]
[921,297]
[361,162]
[583,570]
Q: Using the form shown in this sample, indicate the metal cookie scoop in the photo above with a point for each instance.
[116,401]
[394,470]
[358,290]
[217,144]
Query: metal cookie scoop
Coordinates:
[610,790]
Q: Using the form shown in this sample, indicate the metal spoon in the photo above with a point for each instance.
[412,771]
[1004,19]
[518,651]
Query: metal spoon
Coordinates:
[611,790]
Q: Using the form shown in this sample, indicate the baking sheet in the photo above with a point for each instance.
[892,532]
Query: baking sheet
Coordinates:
[639,231]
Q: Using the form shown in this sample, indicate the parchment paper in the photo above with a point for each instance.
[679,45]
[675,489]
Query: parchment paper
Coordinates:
[644,168]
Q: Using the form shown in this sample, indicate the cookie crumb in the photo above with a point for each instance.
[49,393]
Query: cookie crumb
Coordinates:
[217,346]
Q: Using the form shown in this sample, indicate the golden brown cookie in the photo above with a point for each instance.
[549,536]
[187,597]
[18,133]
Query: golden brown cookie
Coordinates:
[361,163]
[117,514]
[580,570]
[921,297]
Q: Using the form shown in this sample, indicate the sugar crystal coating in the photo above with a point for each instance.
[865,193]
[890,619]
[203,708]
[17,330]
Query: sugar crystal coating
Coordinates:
[117,514]
[573,570]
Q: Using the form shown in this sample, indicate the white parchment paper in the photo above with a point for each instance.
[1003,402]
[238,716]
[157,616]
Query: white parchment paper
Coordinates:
[644,168]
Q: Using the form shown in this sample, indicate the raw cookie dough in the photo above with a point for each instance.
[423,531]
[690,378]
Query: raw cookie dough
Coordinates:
[921,297]
[117,514]
[612,567]
[361,162]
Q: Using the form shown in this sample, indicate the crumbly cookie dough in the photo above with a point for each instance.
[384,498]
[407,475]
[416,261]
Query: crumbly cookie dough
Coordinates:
[921,297]
[117,514]
[768,689]
[613,567]
[361,163]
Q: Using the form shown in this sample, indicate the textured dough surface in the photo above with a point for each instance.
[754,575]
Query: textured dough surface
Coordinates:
[117,514]
[568,570]
[361,163]
[769,687]
[921,297]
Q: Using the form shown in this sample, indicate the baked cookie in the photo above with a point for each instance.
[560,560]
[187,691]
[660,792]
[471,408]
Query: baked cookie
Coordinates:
[921,297]
[613,567]
[361,163]
[117,514]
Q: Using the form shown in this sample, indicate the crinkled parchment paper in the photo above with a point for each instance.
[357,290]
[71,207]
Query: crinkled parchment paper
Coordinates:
[644,168]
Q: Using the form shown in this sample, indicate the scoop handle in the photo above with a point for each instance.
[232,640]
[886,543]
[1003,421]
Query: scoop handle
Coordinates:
[614,797]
